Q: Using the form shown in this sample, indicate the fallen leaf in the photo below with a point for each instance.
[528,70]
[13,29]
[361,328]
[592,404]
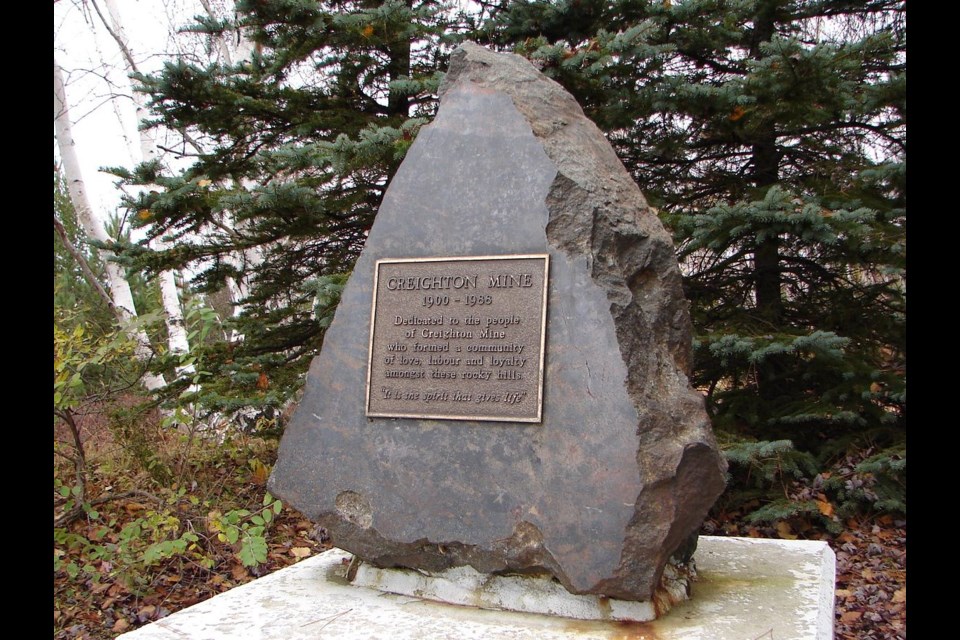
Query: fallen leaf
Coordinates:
[887,534]
[120,625]
[843,593]
[239,572]
[784,531]
[846,536]
[100,588]
[133,507]
[825,508]
[259,472]
[867,574]
[850,616]
[900,595]
[262,381]
[300,552]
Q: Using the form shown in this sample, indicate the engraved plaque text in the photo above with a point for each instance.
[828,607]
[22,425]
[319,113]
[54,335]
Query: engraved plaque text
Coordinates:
[458,338]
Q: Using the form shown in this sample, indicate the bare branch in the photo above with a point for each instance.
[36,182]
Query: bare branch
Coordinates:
[121,42]
[84,265]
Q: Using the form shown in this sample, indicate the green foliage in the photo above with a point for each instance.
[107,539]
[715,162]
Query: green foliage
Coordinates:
[326,296]
[298,144]
[131,551]
[769,462]
[86,364]
[77,304]
[245,530]
[204,333]
[771,136]
[878,482]
[137,550]
[784,509]
[795,484]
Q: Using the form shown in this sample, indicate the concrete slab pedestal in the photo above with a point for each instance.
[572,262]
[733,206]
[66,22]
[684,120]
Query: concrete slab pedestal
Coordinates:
[747,589]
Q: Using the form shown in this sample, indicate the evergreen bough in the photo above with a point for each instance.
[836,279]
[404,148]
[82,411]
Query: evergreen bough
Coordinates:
[770,134]
[296,147]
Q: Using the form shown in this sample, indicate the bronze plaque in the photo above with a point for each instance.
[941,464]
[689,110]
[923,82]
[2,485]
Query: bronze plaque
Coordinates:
[458,338]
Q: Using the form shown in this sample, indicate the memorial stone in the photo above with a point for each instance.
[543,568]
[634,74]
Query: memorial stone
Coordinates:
[505,382]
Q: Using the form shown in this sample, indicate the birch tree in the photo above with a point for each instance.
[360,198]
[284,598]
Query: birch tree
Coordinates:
[93,226]
[235,47]
[173,314]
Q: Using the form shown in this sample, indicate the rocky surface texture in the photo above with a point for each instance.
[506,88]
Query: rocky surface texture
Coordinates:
[623,468]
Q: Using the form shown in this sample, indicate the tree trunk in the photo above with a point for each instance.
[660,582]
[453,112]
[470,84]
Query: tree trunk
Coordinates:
[766,257]
[252,257]
[177,339]
[92,225]
[243,48]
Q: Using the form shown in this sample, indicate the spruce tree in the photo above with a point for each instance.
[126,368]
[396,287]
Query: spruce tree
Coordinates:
[771,136]
[297,145]
[769,133]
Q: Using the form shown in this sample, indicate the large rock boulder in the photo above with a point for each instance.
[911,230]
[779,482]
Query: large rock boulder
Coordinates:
[620,472]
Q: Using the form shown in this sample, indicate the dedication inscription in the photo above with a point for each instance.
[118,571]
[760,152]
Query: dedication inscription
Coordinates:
[458,338]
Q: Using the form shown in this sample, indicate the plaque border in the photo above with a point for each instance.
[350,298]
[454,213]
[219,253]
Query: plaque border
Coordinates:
[543,337]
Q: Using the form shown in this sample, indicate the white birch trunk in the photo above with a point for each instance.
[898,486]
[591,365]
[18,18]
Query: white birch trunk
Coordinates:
[246,262]
[177,339]
[237,291]
[148,143]
[249,259]
[93,226]
[244,47]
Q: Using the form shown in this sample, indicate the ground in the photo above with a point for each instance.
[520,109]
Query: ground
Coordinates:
[131,560]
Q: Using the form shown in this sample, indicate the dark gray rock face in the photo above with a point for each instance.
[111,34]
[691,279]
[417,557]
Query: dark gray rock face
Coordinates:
[623,467]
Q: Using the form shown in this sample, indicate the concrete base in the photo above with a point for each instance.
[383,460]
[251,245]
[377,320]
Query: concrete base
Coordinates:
[524,593]
[747,589]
